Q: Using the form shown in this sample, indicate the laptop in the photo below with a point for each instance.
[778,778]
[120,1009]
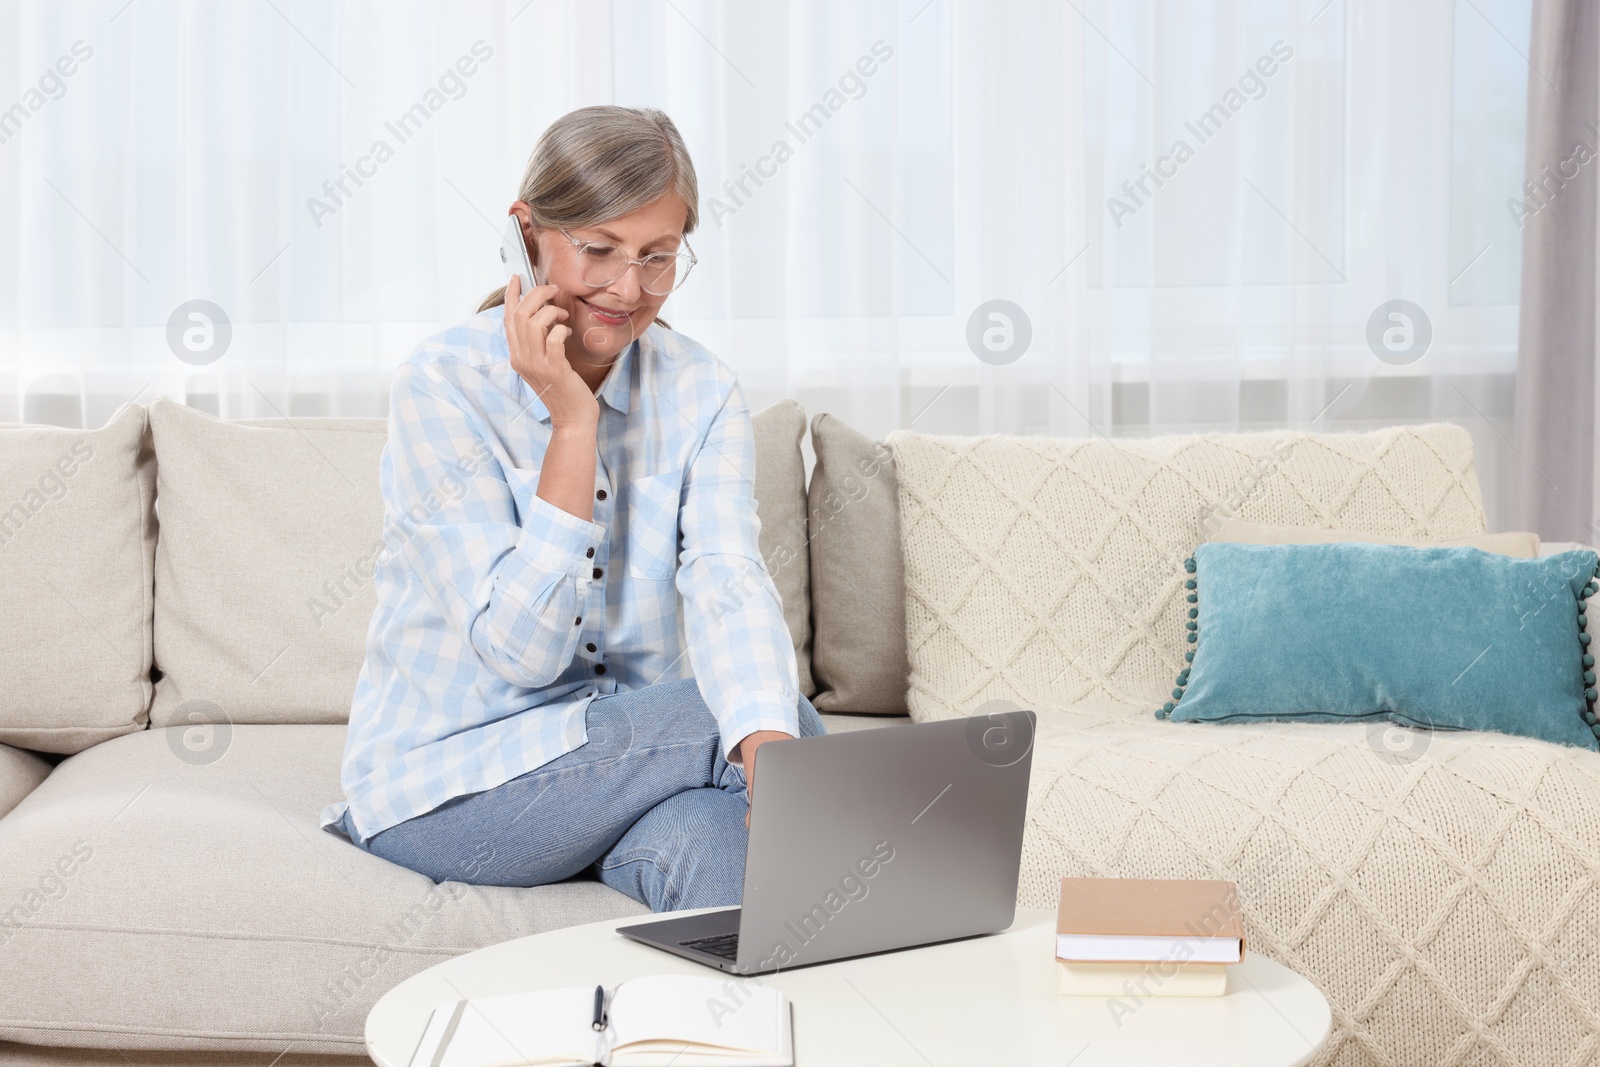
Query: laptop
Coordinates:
[870,841]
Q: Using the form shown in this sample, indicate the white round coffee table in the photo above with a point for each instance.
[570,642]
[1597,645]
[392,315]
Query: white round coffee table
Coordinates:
[981,1000]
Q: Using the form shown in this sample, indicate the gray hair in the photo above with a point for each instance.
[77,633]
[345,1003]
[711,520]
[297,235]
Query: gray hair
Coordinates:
[597,163]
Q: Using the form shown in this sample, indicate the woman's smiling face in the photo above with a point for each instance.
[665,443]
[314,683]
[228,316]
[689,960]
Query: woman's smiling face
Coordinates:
[606,320]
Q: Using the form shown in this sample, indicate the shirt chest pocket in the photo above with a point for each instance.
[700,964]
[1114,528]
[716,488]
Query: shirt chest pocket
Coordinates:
[653,525]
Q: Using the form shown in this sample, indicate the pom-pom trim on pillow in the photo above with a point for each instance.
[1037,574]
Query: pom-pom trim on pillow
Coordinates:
[1589,691]
[1192,625]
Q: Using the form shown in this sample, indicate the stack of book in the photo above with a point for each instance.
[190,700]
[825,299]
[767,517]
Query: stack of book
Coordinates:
[1147,937]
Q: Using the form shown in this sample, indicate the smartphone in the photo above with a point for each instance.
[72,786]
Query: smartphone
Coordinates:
[514,254]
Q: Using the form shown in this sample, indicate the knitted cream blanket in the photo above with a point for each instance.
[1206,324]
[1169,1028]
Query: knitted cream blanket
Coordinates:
[1443,890]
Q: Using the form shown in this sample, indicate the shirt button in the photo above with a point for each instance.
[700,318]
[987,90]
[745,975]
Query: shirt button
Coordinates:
[590,646]
[577,621]
[600,495]
[590,553]
[598,572]
[599,668]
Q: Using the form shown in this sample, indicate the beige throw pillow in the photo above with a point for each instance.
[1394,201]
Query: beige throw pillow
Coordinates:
[77,542]
[263,571]
[858,645]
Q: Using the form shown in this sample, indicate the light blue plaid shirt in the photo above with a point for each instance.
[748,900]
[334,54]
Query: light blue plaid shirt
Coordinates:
[500,616]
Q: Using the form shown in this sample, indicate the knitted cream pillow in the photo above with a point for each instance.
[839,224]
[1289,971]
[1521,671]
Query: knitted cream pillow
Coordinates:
[1048,571]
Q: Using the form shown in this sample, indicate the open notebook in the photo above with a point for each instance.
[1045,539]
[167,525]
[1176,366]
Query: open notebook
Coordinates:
[660,1020]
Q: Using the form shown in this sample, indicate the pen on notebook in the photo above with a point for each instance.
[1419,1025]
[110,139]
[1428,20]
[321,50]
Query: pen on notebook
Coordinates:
[599,1007]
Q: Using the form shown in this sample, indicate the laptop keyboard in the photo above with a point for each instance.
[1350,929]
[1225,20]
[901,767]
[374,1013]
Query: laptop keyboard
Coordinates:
[724,945]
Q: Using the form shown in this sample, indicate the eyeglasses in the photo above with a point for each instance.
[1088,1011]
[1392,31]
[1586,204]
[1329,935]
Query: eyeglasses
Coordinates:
[659,273]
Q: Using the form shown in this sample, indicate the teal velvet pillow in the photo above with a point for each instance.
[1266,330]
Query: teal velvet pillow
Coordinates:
[1441,638]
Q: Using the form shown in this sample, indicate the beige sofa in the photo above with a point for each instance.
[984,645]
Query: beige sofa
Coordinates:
[186,610]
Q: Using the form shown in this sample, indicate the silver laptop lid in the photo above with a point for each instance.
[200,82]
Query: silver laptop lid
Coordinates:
[882,838]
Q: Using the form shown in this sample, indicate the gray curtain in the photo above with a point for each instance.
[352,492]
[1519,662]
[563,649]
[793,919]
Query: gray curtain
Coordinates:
[1556,354]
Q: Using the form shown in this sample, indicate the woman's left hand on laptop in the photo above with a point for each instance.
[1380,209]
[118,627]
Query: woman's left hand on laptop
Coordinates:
[748,748]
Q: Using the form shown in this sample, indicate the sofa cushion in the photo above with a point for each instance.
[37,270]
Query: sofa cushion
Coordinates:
[251,927]
[858,644]
[1049,570]
[262,605]
[202,859]
[781,505]
[20,774]
[77,543]
[1441,889]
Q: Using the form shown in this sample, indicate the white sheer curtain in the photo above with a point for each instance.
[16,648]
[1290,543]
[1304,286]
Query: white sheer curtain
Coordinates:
[331,176]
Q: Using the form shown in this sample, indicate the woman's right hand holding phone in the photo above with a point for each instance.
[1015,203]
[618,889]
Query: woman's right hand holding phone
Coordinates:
[537,340]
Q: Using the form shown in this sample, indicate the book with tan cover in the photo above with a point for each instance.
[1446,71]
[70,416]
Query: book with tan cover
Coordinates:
[1149,920]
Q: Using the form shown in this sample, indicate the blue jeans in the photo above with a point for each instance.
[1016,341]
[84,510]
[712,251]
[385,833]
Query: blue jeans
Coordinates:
[648,804]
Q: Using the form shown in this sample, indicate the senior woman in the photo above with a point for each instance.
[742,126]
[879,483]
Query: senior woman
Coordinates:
[577,650]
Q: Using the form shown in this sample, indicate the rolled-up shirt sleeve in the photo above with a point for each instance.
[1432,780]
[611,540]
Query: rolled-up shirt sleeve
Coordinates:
[512,585]
[738,643]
